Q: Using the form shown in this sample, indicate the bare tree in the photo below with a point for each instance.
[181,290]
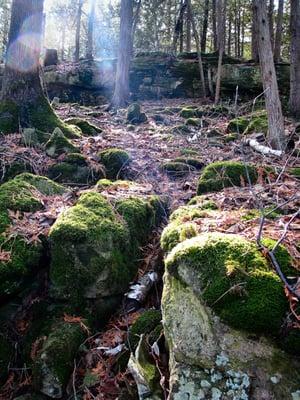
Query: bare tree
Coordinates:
[271,21]
[121,92]
[205,26]
[214,24]
[221,18]
[278,36]
[78,30]
[197,40]
[179,25]
[254,36]
[273,104]
[295,59]
[90,33]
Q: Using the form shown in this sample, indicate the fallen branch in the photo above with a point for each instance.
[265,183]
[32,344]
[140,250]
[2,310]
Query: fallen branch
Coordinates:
[263,149]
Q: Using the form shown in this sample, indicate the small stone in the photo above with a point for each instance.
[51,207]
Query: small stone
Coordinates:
[205,384]
[216,394]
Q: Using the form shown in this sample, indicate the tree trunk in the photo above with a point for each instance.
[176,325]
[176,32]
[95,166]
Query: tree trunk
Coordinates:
[78,29]
[221,10]
[63,43]
[271,22]
[23,102]
[295,59]
[188,33]
[90,33]
[121,92]
[254,36]
[205,26]
[197,41]
[273,104]
[214,24]
[278,36]
[179,25]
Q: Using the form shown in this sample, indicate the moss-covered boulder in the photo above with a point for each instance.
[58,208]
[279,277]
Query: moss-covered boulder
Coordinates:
[75,169]
[222,174]
[114,160]
[135,115]
[176,169]
[32,137]
[194,163]
[214,284]
[55,361]
[188,113]
[86,127]
[255,122]
[20,258]
[59,144]
[94,246]
[181,130]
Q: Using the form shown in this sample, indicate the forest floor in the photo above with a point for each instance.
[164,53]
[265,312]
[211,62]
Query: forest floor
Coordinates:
[150,144]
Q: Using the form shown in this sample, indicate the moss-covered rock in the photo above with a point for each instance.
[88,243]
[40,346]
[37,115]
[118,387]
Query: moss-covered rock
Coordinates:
[135,115]
[181,130]
[32,137]
[87,128]
[55,362]
[222,174]
[176,233]
[145,324]
[194,121]
[9,117]
[192,162]
[114,160]
[10,170]
[188,113]
[41,183]
[176,169]
[234,279]
[246,124]
[59,144]
[203,203]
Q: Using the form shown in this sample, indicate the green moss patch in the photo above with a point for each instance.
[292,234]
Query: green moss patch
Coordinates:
[176,169]
[87,128]
[59,144]
[145,324]
[114,161]
[246,124]
[222,174]
[192,162]
[233,278]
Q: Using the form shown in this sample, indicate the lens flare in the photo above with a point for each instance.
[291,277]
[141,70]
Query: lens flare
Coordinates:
[23,53]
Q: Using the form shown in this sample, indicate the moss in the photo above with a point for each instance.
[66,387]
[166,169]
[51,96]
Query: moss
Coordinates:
[176,169]
[255,122]
[41,183]
[188,213]
[238,125]
[295,172]
[74,172]
[9,171]
[231,137]
[9,117]
[55,362]
[76,158]
[114,161]
[18,195]
[194,121]
[203,203]
[181,130]
[145,324]
[134,114]
[188,113]
[89,241]
[6,352]
[192,162]
[233,278]
[59,144]
[282,256]
[222,174]
[176,233]
[86,127]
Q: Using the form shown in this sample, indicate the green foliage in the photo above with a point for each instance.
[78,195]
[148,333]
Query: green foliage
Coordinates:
[233,278]
[145,324]
[114,161]
[203,203]
[222,174]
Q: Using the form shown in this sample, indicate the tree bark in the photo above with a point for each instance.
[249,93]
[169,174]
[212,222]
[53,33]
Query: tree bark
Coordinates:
[254,36]
[295,59]
[23,101]
[198,48]
[78,29]
[272,100]
[205,26]
[221,10]
[271,22]
[179,25]
[121,92]
[278,36]
[90,34]
[188,33]
[214,24]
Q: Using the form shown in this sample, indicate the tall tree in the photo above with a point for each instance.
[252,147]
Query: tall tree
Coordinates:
[278,36]
[214,24]
[90,33]
[221,18]
[271,21]
[78,31]
[23,102]
[121,92]
[272,100]
[205,26]
[295,58]
[254,35]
